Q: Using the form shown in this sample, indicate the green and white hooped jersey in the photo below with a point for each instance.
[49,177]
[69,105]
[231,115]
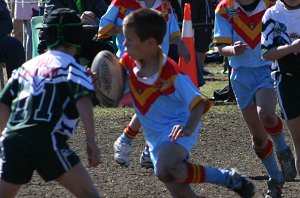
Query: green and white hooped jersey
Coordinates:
[42,95]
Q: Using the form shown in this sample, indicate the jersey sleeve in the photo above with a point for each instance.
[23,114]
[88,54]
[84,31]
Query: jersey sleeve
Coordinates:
[223,30]
[9,92]
[108,20]
[173,26]
[80,82]
[267,36]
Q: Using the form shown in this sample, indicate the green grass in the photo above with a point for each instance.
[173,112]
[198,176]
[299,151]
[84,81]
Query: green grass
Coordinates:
[218,81]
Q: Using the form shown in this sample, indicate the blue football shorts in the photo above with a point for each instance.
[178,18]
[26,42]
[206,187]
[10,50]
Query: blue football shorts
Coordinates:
[246,82]
[186,142]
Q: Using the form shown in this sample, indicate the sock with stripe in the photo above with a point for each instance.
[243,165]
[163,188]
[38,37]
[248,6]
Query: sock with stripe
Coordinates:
[268,159]
[205,174]
[128,135]
[278,137]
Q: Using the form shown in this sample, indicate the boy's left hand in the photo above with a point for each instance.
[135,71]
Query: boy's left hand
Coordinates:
[178,131]
[88,17]
[93,153]
[183,51]
[94,77]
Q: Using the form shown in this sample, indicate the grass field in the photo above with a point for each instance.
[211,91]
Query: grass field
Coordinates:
[224,142]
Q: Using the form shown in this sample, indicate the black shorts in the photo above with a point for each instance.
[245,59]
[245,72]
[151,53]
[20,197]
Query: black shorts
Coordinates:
[202,12]
[17,166]
[288,93]
[203,38]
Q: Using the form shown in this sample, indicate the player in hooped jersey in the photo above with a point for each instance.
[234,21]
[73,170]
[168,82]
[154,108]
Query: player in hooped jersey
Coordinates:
[39,109]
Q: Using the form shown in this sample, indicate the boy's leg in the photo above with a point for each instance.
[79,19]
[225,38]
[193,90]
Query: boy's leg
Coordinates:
[78,181]
[273,125]
[181,190]
[122,146]
[173,169]
[294,126]
[8,190]
[263,148]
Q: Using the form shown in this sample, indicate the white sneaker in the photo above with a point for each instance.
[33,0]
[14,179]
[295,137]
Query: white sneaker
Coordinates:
[122,152]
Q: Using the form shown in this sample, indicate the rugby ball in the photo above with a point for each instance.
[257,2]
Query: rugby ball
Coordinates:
[110,77]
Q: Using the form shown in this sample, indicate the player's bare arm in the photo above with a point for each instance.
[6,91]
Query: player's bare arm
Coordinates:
[4,115]
[85,108]
[182,49]
[232,50]
[281,51]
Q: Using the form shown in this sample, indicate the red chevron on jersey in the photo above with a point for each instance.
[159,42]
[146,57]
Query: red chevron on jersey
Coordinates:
[145,95]
[248,27]
[125,5]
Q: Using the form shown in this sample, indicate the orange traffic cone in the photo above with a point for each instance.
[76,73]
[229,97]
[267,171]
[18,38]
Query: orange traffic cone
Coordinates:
[189,68]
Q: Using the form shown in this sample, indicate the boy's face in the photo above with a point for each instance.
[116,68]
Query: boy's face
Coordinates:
[133,45]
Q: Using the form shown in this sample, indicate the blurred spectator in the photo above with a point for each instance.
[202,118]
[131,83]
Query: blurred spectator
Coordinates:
[91,11]
[23,12]
[11,49]
[17,24]
[202,13]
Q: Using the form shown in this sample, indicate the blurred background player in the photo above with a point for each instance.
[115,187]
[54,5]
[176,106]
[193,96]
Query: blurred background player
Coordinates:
[90,12]
[23,12]
[237,35]
[40,107]
[202,13]
[169,108]
[111,24]
[12,52]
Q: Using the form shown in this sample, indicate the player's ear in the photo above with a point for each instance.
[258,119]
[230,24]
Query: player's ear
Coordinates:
[152,41]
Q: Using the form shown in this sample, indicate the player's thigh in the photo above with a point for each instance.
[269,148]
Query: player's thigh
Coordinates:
[254,124]
[8,190]
[170,154]
[294,127]
[78,181]
[266,100]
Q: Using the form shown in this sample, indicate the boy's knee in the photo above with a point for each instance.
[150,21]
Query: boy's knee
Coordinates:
[166,175]
[258,142]
[268,119]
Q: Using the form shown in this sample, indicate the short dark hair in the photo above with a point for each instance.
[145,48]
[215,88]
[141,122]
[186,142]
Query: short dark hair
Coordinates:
[147,23]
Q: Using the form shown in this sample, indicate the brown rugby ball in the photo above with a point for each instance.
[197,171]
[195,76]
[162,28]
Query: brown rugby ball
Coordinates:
[110,78]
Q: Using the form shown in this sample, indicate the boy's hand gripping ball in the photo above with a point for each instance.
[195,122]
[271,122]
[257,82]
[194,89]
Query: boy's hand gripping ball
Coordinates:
[110,78]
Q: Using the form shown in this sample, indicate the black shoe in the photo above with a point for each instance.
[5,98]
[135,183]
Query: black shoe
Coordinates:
[241,184]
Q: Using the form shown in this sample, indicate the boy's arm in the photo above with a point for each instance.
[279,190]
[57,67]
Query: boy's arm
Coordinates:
[182,48]
[85,108]
[195,116]
[276,53]
[4,115]
[232,50]
[108,25]
[115,30]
